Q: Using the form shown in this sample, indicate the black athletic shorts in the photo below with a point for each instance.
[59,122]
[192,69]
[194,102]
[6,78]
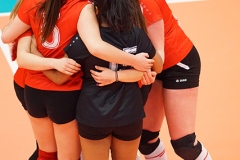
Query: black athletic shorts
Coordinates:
[126,133]
[59,106]
[184,74]
[20,94]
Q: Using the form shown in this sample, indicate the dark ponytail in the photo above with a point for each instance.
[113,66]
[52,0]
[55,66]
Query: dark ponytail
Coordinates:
[120,15]
[47,13]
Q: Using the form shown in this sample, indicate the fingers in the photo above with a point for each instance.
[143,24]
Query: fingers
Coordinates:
[73,66]
[148,78]
[100,68]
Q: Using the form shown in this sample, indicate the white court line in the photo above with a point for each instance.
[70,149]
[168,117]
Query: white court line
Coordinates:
[5,49]
[4,14]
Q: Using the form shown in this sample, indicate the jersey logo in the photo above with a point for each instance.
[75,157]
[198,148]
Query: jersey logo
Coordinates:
[114,66]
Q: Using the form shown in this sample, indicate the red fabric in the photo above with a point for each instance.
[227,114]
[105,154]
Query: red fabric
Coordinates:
[177,44]
[53,47]
[42,155]
[13,50]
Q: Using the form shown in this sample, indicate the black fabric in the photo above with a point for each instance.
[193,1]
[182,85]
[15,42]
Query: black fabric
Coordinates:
[125,133]
[116,104]
[178,77]
[145,147]
[184,147]
[34,156]
[60,107]
[20,94]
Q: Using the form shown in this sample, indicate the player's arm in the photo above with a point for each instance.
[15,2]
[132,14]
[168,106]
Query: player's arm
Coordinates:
[156,35]
[105,76]
[53,74]
[26,59]
[10,33]
[99,48]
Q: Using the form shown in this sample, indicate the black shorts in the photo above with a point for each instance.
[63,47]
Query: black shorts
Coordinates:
[20,94]
[126,133]
[59,106]
[184,74]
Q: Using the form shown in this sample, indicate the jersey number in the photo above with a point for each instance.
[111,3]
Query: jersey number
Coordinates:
[55,39]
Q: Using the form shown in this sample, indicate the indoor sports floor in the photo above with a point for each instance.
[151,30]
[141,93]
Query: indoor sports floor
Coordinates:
[214,27]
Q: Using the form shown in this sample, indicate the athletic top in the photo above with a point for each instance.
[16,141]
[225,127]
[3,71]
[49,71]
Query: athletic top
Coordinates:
[64,30]
[20,74]
[116,104]
[177,44]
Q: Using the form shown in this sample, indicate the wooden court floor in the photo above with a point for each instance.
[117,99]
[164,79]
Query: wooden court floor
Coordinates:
[214,27]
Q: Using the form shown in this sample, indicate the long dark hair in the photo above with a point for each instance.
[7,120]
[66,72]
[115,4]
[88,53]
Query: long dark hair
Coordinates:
[120,15]
[47,13]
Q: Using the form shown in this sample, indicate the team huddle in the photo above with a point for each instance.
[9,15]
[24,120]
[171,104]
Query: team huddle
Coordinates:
[101,75]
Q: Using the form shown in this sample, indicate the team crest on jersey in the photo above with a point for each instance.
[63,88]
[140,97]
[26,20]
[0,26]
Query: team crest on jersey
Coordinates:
[130,49]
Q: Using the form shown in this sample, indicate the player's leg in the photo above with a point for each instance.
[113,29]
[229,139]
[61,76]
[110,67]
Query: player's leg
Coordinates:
[20,95]
[180,103]
[44,134]
[63,113]
[180,110]
[126,150]
[67,139]
[125,141]
[95,142]
[41,124]
[150,145]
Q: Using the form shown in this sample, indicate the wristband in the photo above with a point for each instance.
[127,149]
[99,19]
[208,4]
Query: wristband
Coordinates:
[116,76]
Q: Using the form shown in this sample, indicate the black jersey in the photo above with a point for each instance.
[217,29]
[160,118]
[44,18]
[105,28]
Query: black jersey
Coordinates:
[116,104]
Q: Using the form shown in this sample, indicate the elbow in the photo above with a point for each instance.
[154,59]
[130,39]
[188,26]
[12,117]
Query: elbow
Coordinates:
[94,51]
[158,69]
[59,82]
[5,39]
[19,62]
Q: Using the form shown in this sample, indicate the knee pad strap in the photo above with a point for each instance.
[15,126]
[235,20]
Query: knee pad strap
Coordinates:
[184,147]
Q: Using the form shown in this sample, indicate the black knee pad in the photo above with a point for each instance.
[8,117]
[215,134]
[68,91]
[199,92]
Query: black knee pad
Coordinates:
[184,147]
[145,147]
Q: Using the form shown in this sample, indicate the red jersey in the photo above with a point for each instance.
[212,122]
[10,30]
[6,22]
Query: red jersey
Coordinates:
[177,44]
[20,75]
[65,29]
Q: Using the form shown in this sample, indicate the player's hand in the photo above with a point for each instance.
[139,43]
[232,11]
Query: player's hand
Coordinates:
[104,76]
[148,77]
[141,62]
[66,65]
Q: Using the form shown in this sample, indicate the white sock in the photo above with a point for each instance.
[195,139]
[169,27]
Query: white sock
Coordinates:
[158,154]
[204,155]
[138,156]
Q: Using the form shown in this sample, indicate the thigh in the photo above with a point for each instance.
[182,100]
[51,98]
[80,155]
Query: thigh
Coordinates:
[67,139]
[96,149]
[180,109]
[154,108]
[126,150]
[44,133]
